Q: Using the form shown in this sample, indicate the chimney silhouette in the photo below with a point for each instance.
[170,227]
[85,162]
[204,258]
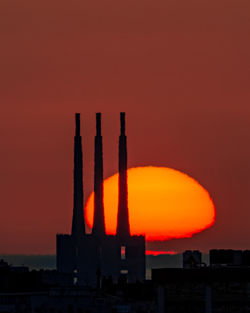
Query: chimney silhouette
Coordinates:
[78,225]
[123,217]
[99,224]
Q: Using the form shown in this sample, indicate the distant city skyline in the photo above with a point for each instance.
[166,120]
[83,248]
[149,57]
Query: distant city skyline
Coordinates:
[180,70]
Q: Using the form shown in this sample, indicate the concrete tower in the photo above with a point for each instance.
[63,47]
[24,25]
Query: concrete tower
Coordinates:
[99,224]
[123,230]
[78,225]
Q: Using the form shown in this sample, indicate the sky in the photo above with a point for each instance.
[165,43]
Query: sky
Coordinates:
[180,69]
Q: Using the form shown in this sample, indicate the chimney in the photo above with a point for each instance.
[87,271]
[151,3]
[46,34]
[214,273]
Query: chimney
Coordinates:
[78,225]
[123,217]
[99,224]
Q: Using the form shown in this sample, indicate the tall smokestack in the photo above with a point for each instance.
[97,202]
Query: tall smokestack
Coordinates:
[99,224]
[78,225]
[123,218]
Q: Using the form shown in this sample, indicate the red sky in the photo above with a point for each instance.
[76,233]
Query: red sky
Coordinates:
[179,68]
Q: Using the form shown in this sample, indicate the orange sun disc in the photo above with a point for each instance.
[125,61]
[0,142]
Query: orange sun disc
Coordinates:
[163,204]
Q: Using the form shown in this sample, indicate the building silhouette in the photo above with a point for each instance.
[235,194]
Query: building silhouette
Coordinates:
[88,257]
[222,286]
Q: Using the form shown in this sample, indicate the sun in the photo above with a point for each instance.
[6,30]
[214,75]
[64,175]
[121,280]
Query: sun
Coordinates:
[163,204]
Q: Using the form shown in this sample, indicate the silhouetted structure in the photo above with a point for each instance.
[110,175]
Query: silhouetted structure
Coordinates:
[222,286]
[123,219]
[191,259]
[78,226]
[22,290]
[88,257]
[99,224]
[229,258]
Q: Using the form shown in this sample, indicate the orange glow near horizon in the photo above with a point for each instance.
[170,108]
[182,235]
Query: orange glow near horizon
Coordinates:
[156,252]
[163,204]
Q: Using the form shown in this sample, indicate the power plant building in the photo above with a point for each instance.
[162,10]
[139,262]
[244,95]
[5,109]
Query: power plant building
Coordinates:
[89,256]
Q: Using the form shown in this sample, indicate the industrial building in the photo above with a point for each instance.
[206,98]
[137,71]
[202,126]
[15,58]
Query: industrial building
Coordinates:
[88,257]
